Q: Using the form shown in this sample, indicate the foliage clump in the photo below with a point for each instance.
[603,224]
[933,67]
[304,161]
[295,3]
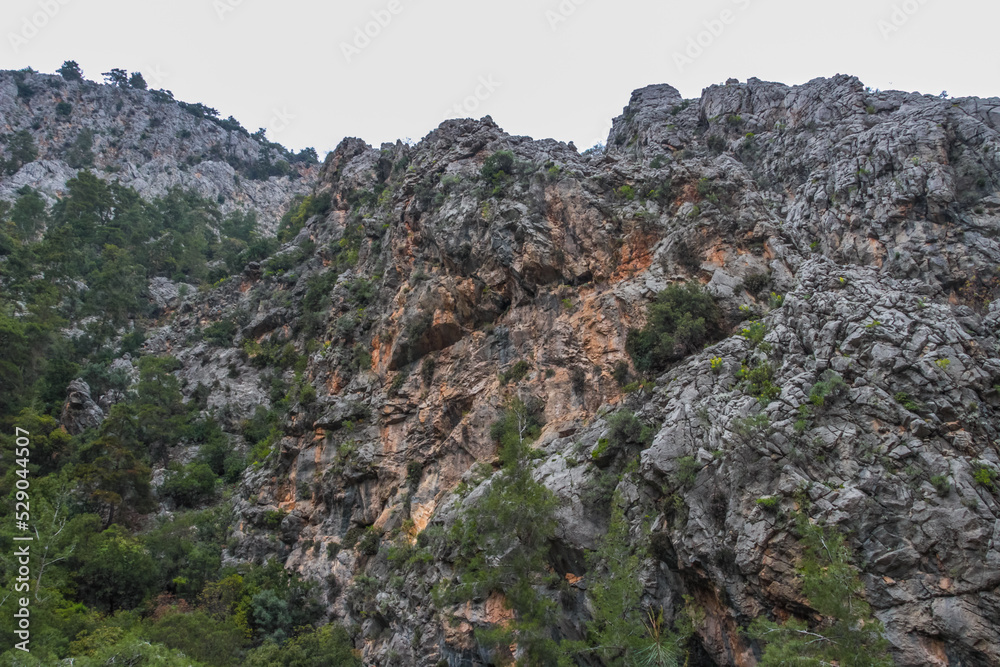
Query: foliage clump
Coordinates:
[497,171]
[827,388]
[503,541]
[758,381]
[848,634]
[621,631]
[515,373]
[297,216]
[680,321]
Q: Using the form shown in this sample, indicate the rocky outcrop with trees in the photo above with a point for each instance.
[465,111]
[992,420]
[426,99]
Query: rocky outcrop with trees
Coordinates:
[723,391]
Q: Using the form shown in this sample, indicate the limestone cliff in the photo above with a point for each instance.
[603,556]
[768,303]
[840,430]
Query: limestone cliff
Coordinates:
[857,228]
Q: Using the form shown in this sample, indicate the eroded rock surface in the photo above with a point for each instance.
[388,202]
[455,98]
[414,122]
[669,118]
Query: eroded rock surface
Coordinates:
[858,228]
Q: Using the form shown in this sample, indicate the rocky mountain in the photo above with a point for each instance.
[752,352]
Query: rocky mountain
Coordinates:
[767,308]
[143,139]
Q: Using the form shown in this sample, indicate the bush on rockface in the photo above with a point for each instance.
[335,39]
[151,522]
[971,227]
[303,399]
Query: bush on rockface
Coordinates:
[189,486]
[497,171]
[680,321]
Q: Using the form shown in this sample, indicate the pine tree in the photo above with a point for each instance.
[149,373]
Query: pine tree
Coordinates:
[504,541]
[848,635]
[71,71]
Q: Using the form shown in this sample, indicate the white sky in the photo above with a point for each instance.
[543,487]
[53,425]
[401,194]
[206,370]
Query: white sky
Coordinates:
[281,65]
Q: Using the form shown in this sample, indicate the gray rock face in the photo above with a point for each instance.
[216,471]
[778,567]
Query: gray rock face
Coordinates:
[858,227]
[850,237]
[80,412]
[165,293]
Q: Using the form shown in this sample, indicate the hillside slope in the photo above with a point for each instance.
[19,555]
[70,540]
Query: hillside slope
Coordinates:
[145,140]
[833,361]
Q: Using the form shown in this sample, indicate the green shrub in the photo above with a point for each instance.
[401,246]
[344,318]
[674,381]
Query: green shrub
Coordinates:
[193,484]
[273,518]
[756,283]
[117,572]
[217,451]
[114,646]
[64,109]
[985,476]
[680,321]
[328,645]
[769,503]
[318,288]
[220,333]
[849,635]
[307,394]
[21,150]
[904,399]
[662,193]
[755,333]
[941,484]
[361,291]
[829,387]
[502,544]
[361,358]
[199,636]
[600,449]
[427,370]
[497,166]
[414,471]
[706,188]
[518,422]
[687,470]
[80,154]
[70,71]
[370,541]
[758,382]
[621,630]
[751,427]
[515,373]
[620,373]
[625,429]
[803,422]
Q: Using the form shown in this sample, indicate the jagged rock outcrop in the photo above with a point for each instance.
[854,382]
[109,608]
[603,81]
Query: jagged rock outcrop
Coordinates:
[850,237]
[80,412]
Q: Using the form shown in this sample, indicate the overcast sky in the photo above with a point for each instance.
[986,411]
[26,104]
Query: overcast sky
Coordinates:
[313,72]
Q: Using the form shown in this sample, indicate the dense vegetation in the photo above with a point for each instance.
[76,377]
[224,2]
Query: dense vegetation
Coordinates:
[681,320]
[114,586]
